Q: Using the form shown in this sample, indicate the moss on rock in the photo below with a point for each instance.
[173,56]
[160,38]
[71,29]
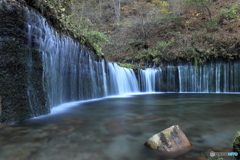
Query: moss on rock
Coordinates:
[15,77]
[236,147]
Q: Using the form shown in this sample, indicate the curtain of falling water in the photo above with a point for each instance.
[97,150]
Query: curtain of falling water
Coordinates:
[219,76]
[215,76]
[71,72]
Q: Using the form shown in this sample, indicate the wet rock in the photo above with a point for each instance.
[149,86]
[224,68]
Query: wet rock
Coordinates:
[236,147]
[171,142]
[21,67]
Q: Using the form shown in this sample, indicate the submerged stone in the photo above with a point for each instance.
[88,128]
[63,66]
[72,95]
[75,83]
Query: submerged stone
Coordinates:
[171,141]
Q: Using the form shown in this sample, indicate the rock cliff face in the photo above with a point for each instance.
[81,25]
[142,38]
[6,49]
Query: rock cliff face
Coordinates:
[21,88]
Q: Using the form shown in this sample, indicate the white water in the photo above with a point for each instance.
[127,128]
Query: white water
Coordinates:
[147,78]
[122,80]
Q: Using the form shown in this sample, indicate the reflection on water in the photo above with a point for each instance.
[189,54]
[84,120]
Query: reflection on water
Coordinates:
[116,128]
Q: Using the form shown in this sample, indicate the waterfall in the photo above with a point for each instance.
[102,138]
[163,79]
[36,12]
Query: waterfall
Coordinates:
[72,72]
[30,90]
[147,79]
[215,76]
[122,80]
[54,68]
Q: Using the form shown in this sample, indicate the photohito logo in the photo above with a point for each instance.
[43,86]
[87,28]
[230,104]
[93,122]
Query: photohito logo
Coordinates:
[212,154]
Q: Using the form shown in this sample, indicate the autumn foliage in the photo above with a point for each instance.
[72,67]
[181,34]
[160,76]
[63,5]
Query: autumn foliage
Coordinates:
[154,31]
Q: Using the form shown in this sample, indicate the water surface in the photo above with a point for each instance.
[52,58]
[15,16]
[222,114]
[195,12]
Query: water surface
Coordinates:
[117,128]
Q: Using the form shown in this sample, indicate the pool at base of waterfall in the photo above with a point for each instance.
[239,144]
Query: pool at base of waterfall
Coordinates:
[116,128]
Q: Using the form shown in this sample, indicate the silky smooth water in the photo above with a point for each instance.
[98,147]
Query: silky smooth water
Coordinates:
[116,128]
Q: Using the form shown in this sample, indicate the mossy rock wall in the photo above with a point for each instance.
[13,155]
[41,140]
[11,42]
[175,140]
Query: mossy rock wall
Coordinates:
[21,88]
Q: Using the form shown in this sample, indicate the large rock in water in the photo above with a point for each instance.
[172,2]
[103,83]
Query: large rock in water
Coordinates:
[171,141]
